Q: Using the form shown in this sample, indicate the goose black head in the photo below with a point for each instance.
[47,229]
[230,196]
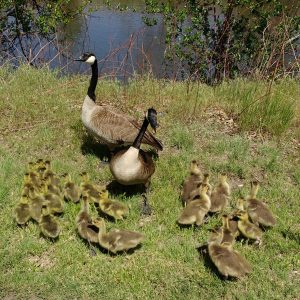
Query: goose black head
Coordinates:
[87,57]
[151,116]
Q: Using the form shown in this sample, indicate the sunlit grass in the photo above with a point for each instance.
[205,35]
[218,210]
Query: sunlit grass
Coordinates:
[40,118]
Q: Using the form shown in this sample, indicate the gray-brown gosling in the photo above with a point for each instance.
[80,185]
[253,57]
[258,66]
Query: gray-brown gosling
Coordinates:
[71,189]
[49,225]
[228,261]
[248,229]
[22,210]
[84,223]
[195,194]
[192,182]
[36,204]
[117,240]
[89,189]
[27,185]
[220,194]
[196,210]
[258,211]
[49,175]
[53,201]
[33,178]
[113,208]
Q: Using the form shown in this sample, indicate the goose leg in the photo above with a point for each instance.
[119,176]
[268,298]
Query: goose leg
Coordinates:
[146,208]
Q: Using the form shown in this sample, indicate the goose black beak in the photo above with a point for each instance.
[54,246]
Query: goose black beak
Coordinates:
[79,59]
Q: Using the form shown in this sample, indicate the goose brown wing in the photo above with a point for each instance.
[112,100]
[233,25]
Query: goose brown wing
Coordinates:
[119,129]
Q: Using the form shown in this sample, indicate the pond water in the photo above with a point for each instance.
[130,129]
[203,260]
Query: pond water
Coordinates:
[123,44]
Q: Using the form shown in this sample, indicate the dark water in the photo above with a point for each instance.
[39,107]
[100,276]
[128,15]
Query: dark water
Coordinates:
[123,44]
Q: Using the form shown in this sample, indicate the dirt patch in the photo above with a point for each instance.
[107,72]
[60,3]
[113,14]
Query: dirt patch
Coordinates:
[226,122]
[43,261]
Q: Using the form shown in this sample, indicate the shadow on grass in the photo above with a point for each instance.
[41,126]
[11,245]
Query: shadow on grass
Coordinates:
[114,188]
[91,146]
[288,234]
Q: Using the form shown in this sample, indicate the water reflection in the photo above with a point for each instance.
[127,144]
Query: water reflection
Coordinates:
[120,40]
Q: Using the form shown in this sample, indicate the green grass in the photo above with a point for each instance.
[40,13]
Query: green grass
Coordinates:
[40,118]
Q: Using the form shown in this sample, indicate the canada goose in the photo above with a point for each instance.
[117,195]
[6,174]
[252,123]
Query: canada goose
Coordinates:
[53,189]
[195,193]
[134,166]
[258,211]
[220,194]
[196,210]
[248,229]
[228,235]
[49,225]
[36,204]
[27,185]
[84,224]
[109,126]
[71,190]
[22,210]
[228,261]
[33,178]
[53,201]
[89,189]
[228,230]
[191,183]
[113,208]
[117,240]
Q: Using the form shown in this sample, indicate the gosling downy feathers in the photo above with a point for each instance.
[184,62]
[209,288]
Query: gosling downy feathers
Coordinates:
[49,225]
[135,166]
[84,223]
[220,195]
[71,190]
[36,204]
[258,211]
[228,261]
[117,240]
[191,183]
[110,127]
[113,208]
[54,202]
[89,189]
[22,211]
[196,210]
[248,229]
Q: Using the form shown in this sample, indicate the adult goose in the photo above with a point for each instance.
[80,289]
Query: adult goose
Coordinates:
[133,165]
[109,126]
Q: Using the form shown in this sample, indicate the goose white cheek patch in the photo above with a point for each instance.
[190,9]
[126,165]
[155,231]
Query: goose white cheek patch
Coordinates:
[91,60]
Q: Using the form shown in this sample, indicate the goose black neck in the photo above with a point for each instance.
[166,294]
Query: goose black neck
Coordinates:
[94,80]
[138,140]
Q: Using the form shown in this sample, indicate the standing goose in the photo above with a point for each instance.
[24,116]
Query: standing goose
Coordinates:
[110,127]
[134,166]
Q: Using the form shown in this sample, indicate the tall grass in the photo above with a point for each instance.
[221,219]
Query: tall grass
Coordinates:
[259,106]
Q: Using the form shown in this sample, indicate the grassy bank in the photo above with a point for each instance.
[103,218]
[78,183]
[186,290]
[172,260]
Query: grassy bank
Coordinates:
[40,117]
